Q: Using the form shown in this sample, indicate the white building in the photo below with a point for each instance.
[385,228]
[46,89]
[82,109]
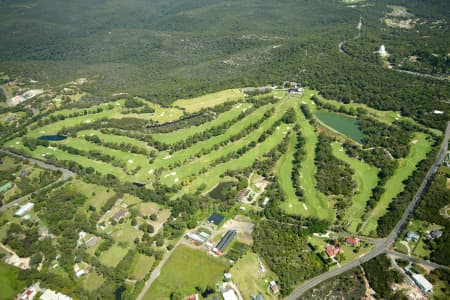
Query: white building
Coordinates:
[382,51]
[51,295]
[438,112]
[229,295]
[24,209]
[195,237]
[422,283]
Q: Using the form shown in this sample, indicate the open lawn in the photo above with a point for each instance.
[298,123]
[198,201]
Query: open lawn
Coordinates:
[366,179]
[245,274]
[96,194]
[209,100]
[10,285]
[185,270]
[113,255]
[93,281]
[141,266]
[125,233]
[394,185]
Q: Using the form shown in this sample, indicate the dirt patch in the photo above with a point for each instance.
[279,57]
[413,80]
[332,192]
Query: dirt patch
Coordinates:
[243,227]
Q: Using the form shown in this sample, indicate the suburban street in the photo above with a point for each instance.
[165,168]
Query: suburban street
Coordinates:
[65,174]
[383,244]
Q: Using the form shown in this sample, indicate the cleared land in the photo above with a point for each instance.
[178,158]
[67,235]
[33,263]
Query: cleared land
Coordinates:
[185,270]
[394,185]
[247,277]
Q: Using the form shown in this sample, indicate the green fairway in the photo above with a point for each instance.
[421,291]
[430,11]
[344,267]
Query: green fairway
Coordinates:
[366,179]
[283,170]
[194,167]
[110,138]
[211,177]
[9,282]
[185,270]
[182,134]
[394,185]
[164,158]
[209,100]
[317,204]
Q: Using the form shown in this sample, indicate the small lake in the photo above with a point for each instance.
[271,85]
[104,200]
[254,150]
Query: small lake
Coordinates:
[52,137]
[341,123]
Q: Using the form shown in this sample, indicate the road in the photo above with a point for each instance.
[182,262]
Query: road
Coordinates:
[416,260]
[65,174]
[383,244]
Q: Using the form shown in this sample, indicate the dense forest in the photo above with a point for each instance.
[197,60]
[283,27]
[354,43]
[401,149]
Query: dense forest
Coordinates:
[169,50]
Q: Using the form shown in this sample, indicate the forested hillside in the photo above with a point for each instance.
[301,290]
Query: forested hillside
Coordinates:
[163,50]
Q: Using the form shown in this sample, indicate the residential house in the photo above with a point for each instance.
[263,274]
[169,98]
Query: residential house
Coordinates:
[120,214]
[333,251]
[410,235]
[352,241]
[274,287]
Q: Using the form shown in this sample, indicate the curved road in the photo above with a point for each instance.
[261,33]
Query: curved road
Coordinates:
[383,244]
[65,174]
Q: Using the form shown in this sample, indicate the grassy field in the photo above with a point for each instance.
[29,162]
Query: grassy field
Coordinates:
[185,270]
[179,135]
[93,281]
[96,194]
[209,100]
[9,282]
[113,255]
[394,185]
[245,274]
[366,179]
[141,266]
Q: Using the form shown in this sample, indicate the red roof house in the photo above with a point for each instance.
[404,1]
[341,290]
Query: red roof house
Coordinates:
[333,251]
[352,241]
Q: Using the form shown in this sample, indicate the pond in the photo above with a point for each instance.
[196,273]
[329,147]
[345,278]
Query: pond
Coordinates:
[52,137]
[341,123]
